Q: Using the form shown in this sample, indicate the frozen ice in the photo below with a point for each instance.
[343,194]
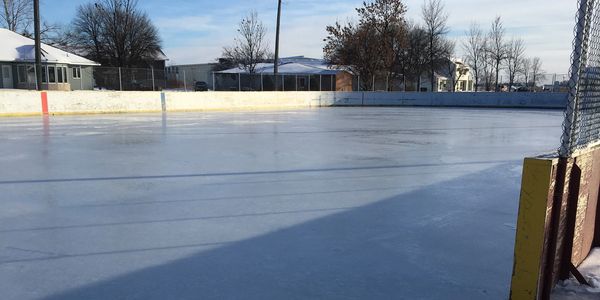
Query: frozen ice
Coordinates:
[335,203]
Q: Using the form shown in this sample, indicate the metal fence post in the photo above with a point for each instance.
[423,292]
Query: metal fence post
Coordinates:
[239,82]
[320,82]
[387,82]
[35,76]
[184,81]
[262,84]
[374,83]
[333,79]
[214,83]
[283,83]
[120,80]
[153,85]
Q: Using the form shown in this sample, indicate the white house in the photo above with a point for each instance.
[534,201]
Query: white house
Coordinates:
[61,70]
[453,76]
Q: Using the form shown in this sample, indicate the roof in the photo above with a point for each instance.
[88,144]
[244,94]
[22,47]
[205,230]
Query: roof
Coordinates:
[160,55]
[291,65]
[17,48]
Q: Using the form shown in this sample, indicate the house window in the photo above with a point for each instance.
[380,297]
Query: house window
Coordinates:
[77,73]
[59,75]
[22,74]
[44,74]
[65,77]
[51,75]
[30,74]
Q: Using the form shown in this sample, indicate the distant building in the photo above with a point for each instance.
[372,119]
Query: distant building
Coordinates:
[61,70]
[453,76]
[296,73]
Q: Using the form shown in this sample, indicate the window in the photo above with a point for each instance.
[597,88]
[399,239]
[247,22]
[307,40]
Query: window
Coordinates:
[6,72]
[22,74]
[44,74]
[77,73]
[51,74]
[31,74]
[59,75]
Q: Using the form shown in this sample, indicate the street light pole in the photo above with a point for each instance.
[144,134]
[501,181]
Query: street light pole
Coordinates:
[276,62]
[38,44]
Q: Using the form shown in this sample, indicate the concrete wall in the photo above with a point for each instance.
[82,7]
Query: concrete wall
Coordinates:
[27,102]
[103,102]
[177,101]
[524,100]
[16,102]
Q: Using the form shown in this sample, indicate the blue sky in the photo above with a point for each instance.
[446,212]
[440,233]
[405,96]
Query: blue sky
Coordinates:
[195,31]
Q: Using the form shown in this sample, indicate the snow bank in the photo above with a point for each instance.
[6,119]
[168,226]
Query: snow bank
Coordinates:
[571,289]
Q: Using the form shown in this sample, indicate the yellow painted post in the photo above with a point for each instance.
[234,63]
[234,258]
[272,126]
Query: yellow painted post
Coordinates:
[529,245]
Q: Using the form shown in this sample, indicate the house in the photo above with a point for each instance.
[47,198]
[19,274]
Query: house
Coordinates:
[186,76]
[296,73]
[453,76]
[61,70]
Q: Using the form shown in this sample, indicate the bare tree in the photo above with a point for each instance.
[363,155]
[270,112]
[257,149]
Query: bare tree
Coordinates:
[355,47]
[497,48]
[386,17]
[487,70]
[115,33]
[451,65]
[515,52]
[89,32]
[17,15]
[536,71]
[435,19]
[413,59]
[375,45]
[474,48]
[526,70]
[251,46]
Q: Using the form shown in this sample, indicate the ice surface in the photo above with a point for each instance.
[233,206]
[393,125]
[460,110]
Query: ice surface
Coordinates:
[339,203]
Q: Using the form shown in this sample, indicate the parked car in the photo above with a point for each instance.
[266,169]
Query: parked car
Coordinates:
[200,86]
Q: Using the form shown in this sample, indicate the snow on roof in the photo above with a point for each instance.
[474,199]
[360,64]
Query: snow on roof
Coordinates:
[291,65]
[17,48]
[160,55]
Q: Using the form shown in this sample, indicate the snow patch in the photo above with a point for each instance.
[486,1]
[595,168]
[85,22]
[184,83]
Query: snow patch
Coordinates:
[571,289]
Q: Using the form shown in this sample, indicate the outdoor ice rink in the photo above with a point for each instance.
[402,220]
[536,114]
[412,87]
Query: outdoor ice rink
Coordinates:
[334,203]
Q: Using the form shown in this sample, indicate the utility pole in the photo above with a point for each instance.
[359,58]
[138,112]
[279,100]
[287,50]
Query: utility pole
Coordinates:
[276,63]
[38,45]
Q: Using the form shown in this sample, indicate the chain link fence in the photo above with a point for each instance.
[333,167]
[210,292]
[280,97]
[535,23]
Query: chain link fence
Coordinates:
[581,128]
[189,78]
[268,82]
